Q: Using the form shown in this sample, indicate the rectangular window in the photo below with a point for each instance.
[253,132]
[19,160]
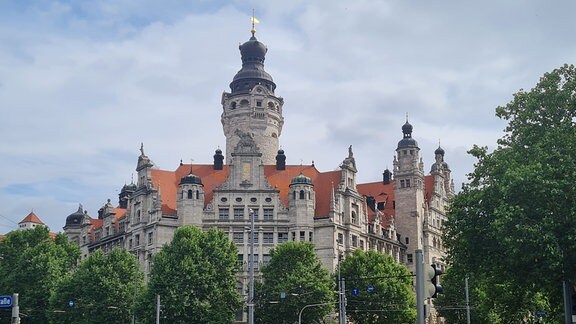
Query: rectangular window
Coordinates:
[255,213]
[293,236]
[340,238]
[354,241]
[223,214]
[240,260]
[302,236]
[266,259]
[283,237]
[410,258]
[268,238]
[268,214]
[137,239]
[256,237]
[310,236]
[238,237]
[362,244]
[238,213]
[150,237]
[255,262]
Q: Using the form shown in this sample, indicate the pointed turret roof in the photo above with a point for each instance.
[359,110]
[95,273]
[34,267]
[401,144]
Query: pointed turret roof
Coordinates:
[32,218]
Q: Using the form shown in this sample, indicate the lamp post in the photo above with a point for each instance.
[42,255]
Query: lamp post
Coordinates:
[311,305]
[251,271]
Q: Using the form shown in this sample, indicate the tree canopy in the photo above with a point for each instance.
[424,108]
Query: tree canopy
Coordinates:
[195,277]
[102,290]
[514,223]
[378,289]
[32,264]
[293,279]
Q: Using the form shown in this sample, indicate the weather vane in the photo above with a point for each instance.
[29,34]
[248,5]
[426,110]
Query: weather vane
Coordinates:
[254,22]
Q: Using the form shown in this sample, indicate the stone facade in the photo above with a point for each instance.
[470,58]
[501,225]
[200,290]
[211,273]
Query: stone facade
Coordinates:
[397,215]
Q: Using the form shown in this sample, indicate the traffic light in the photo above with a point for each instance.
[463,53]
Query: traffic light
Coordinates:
[433,286]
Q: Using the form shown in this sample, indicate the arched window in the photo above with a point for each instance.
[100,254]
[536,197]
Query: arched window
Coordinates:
[189,193]
[197,194]
[301,194]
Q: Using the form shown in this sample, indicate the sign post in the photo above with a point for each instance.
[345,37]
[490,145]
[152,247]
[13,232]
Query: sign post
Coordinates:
[15,310]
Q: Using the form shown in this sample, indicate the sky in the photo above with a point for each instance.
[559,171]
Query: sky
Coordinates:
[84,82]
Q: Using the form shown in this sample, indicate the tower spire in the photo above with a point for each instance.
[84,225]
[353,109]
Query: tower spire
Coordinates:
[254,22]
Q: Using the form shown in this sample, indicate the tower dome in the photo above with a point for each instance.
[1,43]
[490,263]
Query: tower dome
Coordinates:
[253,53]
[191,179]
[76,218]
[301,179]
[407,140]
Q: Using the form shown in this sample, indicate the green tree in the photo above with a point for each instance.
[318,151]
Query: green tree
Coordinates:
[103,290]
[392,299]
[490,300]
[195,276]
[32,264]
[520,204]
[295,273]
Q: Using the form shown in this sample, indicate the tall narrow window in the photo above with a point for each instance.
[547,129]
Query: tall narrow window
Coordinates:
[268,214]
[238,213]
[223,214]
[301,194]
[189,193]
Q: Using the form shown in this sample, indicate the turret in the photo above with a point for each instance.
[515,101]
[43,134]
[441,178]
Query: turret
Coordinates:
[190,200]
[302,204]
[252,107]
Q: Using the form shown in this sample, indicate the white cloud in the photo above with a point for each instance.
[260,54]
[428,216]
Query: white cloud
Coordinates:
[83,83]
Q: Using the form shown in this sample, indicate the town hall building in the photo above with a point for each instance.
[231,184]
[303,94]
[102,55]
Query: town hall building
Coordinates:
[401,212]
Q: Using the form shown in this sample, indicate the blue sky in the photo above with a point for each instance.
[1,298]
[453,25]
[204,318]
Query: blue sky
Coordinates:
[83,83]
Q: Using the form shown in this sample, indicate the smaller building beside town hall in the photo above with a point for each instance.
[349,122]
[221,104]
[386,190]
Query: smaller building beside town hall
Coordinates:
[401,212]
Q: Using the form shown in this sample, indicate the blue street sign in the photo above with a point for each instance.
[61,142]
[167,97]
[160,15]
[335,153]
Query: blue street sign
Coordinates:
[71,303]
[540,314]
[355,292]
[370,288]
[5,301]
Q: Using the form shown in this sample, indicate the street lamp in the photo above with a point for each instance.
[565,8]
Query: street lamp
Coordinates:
[251,271]
[311,305]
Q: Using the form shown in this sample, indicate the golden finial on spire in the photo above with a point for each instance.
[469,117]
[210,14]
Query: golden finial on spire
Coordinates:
[254,22]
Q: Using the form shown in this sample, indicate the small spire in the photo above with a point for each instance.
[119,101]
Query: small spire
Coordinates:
[254,22]
[142,148]
[333,200]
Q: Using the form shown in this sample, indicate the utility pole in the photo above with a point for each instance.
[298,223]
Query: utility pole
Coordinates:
[467,301]
[567,287]
[419,286]
[251,271]
[341,296]
[157,309]
[15,309]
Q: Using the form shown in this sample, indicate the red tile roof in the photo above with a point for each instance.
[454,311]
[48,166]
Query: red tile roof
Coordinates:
[324,183]
[381,193]
[31,218]
[168,181]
